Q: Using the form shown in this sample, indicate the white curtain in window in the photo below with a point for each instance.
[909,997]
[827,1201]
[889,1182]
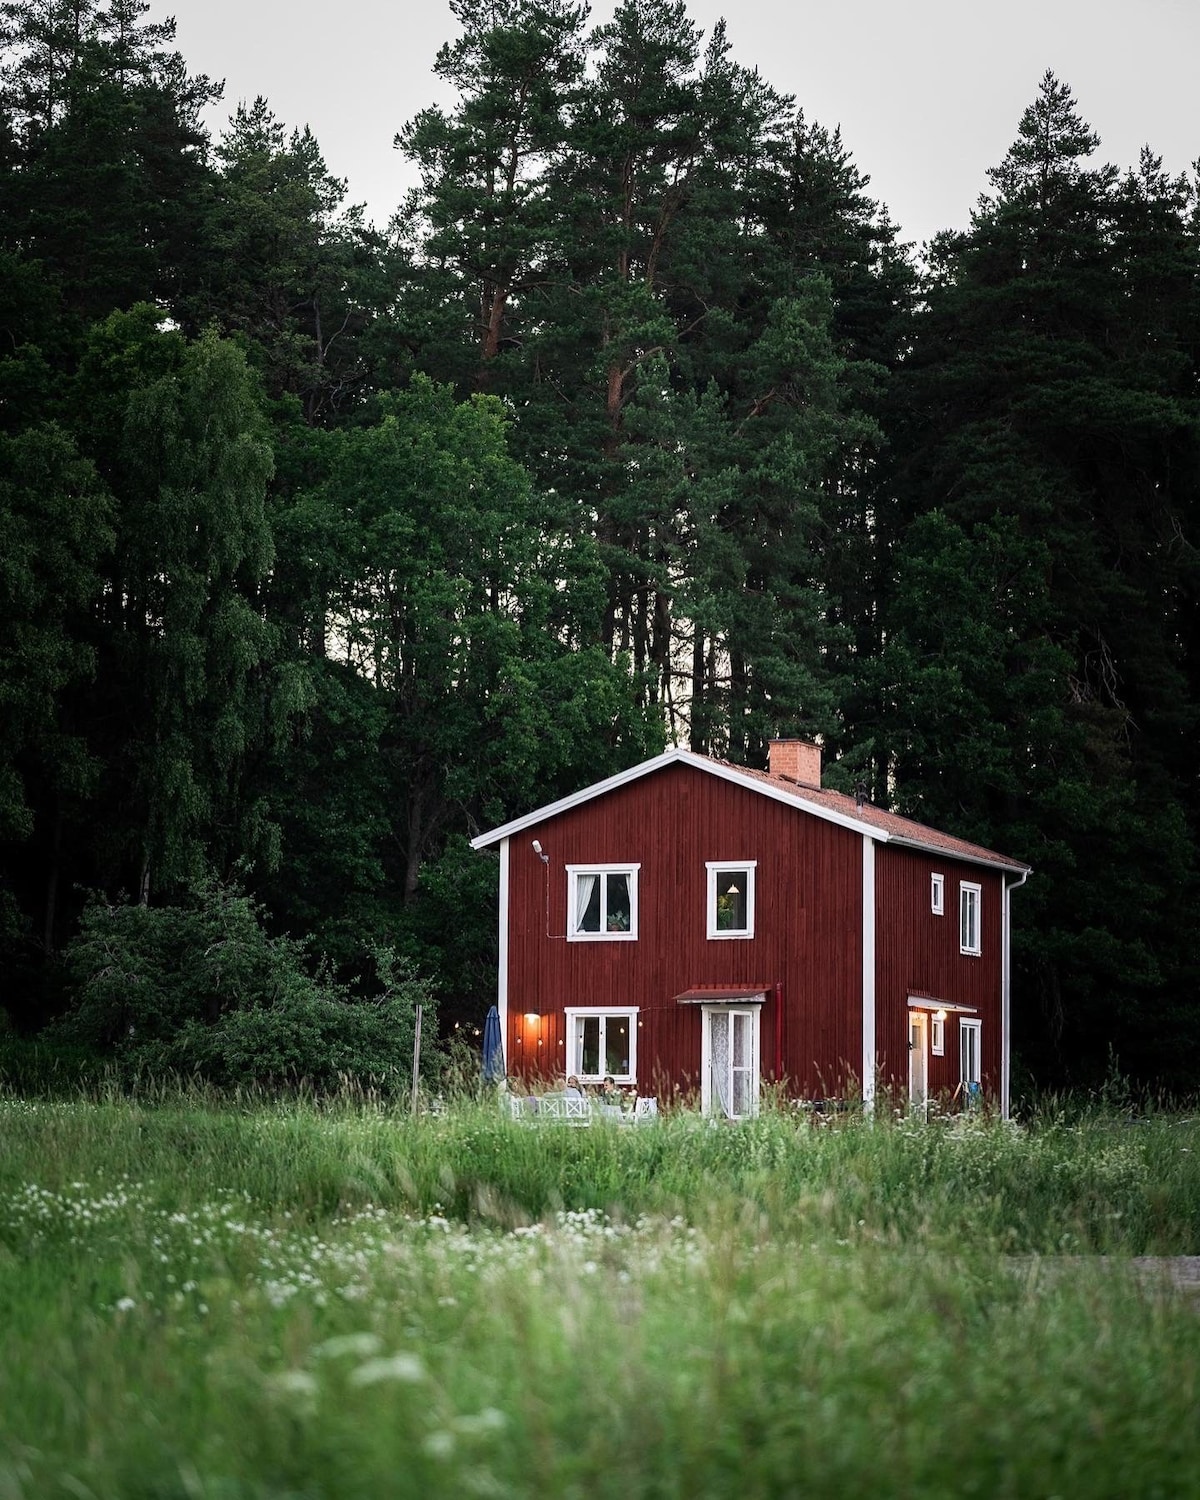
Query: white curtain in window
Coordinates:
[585,885]
[719,1059]
[742,1064]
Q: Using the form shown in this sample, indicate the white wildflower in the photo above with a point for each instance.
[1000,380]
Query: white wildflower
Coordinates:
[360,1345]
[477,1424]
[293,1383]
[405,1368]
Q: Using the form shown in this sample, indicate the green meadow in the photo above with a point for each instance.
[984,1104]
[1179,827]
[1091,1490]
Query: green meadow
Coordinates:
[205,1300]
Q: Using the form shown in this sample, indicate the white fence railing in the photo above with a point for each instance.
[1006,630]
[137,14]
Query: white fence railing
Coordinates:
[575,1110]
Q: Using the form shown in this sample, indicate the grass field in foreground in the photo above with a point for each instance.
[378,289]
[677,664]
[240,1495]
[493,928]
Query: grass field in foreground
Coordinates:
[279,1301]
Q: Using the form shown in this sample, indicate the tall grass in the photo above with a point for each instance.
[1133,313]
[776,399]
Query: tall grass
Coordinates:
[296,1301]
[1100,1183]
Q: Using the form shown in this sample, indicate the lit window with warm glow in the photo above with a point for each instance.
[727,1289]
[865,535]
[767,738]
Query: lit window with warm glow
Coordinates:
[602,1043]
[731,898]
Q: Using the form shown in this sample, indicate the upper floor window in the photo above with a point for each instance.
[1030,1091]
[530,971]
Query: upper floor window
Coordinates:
[602,902]
[969,900]
[937,895]
[731,898]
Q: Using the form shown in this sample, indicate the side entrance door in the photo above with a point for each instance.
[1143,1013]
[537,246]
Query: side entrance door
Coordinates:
[918,1065]
[729,1069]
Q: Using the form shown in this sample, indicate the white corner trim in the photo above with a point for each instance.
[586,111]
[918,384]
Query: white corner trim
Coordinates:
[502,951]
[1006,994]
[1005,999]
[868,972]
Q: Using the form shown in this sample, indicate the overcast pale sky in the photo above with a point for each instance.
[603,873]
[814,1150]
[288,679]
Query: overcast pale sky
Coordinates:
[928,92]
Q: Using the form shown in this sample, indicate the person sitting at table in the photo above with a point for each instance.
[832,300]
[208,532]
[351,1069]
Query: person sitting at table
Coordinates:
[609,1092]
[572,1090]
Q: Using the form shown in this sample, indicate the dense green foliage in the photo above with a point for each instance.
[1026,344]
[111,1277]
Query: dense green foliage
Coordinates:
[322,548]
[272,1300]
[200,989]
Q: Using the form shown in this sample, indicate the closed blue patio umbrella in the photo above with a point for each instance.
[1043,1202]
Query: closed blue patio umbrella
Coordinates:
[493,1047]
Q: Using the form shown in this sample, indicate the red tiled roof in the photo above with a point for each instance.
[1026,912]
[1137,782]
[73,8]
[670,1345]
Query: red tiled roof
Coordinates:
[907,830]
[819,800]
[715,993]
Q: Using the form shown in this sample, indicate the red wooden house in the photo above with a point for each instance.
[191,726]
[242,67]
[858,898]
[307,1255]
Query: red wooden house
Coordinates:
[693,925]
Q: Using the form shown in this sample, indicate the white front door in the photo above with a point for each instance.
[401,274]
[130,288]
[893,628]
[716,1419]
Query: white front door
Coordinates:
[729,1073]
[918,1067]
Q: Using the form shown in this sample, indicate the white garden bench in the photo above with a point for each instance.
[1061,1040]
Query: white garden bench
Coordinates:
[576,1110]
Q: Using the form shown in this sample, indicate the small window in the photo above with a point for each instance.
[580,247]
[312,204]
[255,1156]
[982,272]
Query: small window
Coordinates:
[969,1043]
[602,902]
[969,898]
[731,898]
[937,1036]
[602,1043]
[937,895]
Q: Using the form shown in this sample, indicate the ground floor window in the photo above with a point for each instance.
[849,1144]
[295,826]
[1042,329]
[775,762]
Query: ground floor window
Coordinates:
[602,1043]
[729,1061]
[969,1043]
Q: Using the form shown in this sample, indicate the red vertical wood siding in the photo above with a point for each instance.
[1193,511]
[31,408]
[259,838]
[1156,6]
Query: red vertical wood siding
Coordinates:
[917,953]
[808,929]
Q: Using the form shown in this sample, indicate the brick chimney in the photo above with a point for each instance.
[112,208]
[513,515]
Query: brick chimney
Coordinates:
[798,760]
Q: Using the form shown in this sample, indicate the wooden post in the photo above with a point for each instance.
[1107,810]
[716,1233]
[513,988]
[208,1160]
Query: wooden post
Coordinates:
[416,1058]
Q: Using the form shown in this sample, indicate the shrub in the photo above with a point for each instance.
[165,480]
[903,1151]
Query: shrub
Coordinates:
[202,988]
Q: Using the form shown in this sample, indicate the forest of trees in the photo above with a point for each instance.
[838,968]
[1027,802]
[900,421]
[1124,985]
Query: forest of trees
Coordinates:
[324,546]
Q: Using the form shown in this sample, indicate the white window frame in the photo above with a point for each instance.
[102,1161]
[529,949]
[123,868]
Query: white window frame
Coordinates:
[710,1103]
[968,1053]
[747,868]
[937,895]
[603,936]
[970,899]
[937,1036]
[576,1013]
[918,1058]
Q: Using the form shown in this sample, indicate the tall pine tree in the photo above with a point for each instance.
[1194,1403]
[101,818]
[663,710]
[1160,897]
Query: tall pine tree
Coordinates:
[1033,683]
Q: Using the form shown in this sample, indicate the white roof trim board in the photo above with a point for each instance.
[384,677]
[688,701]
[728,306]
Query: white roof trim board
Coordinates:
[725,773]
[925,1002]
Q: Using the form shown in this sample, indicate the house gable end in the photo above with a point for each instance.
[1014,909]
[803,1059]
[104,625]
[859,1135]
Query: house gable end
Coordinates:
[873,823]
[716,768]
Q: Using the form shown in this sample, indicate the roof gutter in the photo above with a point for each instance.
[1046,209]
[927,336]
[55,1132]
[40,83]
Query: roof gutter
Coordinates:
[967,859]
